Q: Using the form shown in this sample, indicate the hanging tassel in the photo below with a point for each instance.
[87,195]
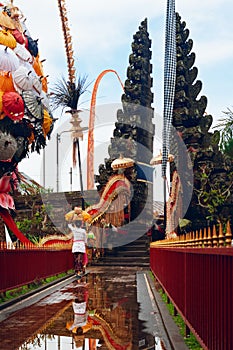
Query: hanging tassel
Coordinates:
[74,154]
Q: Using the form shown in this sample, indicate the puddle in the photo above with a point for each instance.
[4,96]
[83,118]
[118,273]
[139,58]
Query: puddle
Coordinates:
[100,312]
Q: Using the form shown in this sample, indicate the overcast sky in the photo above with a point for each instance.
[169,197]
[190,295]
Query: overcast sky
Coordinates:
[102,33]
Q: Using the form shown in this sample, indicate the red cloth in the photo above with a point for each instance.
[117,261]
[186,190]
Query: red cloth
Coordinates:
[85,259]
[12,226]
[6,201]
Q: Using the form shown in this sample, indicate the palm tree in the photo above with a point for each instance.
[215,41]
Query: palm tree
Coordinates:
[225,128]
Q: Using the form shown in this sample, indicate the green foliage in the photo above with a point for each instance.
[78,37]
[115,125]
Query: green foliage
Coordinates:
[213,199]
[34,239]
[33,189]
[34,225]
[190,341]
[24,225]
[229,148]
[16,292]
[54,278]
[213,193]
[225,128]
[47,208]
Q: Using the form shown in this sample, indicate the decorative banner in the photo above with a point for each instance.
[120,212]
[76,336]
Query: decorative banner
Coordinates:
[169,79]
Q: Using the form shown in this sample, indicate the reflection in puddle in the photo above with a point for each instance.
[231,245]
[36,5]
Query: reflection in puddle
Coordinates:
[100,312]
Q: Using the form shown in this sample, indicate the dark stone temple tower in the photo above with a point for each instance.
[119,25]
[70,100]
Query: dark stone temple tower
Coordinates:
[193,126]
[134,130]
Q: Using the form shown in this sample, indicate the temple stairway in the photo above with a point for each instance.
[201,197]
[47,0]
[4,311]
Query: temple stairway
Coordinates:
[117,253]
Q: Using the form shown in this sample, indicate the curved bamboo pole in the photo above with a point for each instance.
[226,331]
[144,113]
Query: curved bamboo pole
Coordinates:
[90,146]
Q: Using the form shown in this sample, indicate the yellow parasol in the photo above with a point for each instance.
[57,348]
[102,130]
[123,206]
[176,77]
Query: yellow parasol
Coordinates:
[6,21]
[158,159]
[122,163]
[7,39]
[47,122]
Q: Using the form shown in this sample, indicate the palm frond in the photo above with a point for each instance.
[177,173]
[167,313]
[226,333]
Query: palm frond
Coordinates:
[225,127]
[228,149]
[67,94]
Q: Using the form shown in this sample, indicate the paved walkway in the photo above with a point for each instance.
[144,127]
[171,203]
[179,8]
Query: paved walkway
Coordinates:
[153,312]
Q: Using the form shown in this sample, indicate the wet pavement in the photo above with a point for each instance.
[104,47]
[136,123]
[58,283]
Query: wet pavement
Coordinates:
[111,308]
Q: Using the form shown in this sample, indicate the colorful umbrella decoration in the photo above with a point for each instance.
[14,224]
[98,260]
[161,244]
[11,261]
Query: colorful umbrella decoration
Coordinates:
[47,123]
[25,79]
[22,53]
[2,114]
[45,100]
[31,45]
[37,84]
[44,84]
[13,105]
[33,104]
[26,121]
[19,37]
[7,39]
[6,21]
[9,62]
[38,66]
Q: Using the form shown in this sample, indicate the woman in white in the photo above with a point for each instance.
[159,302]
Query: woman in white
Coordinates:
[79,246]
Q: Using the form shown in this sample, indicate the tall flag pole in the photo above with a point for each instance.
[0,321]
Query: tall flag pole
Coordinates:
[169,80]
[169,91]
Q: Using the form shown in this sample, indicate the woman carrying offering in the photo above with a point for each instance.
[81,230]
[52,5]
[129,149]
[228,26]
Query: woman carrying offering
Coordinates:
[78,246]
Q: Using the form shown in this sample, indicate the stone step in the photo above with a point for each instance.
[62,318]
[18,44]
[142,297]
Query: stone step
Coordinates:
[125,261]
[138,253]
[128,247]
[125,251]
[131,234]
[125,258]
[143,241]
[134,253]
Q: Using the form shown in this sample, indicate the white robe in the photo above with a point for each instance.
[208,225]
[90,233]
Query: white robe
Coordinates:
[79,239]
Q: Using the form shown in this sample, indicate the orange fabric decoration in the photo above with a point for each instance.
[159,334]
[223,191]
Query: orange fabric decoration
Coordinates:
[38,67]
[46,123]
[6,82]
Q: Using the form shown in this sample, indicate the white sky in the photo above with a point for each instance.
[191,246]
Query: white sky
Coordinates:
[102,33]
